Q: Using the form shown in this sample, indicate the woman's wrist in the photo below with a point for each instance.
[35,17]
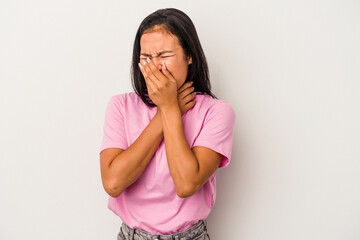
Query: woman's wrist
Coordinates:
[171,119]
[157,119]
[174,108]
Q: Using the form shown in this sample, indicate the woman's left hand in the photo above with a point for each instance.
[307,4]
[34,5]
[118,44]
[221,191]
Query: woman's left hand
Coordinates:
[161,85]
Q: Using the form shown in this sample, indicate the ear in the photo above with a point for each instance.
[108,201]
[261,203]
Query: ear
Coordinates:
[189,60]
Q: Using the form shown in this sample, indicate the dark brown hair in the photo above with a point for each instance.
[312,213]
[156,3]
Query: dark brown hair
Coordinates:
[180,25]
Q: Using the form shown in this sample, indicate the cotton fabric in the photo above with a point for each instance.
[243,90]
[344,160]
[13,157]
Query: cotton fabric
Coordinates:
[151,203]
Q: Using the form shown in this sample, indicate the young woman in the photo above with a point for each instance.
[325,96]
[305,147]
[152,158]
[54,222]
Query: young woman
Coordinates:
[163,143]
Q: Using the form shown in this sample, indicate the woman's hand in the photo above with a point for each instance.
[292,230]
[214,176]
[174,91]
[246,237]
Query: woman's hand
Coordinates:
[186,97]
[161,85]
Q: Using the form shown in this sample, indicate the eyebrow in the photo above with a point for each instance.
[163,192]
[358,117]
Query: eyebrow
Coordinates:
[158,54]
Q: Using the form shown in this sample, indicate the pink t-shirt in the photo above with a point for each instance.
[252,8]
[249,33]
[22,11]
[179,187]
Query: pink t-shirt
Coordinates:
[151,203]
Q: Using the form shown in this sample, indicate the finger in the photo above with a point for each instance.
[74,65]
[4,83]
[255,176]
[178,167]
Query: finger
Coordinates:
[189,97]
[167,73]
[185,99]
[186,92]
[155,70]
[149,75]
[189,105]
[142,70]
[150,85]
[185,86]
[148,71]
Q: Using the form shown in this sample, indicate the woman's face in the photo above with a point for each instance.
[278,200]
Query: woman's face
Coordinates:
[162,47]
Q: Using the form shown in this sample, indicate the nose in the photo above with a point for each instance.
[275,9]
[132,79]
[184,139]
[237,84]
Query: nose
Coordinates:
[158,62]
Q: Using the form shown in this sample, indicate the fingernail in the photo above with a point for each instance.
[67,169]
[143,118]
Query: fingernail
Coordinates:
[144,63]
[148,59]
[191,82]
[164,66]
[141,67]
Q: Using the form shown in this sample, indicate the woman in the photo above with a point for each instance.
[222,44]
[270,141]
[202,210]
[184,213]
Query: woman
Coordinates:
[163,143]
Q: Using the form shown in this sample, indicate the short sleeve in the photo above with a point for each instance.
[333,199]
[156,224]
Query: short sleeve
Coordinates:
[218,130]
[114,135]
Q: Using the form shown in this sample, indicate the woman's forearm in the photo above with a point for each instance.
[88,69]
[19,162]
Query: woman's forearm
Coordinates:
[182,162]
[127,167]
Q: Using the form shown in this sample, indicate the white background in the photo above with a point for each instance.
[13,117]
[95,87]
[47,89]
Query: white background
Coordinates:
[290,69]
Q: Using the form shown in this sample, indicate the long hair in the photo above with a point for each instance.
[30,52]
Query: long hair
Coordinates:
[180,25]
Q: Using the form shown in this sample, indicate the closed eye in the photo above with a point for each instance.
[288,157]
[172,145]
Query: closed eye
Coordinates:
[166,56]
[145,57]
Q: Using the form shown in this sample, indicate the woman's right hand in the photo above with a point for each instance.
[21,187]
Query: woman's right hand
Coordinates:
[186,97]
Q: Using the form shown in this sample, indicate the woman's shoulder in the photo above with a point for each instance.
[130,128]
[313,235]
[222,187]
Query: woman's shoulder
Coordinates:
[129,100]
[206,101]
[216,109]
[126,98]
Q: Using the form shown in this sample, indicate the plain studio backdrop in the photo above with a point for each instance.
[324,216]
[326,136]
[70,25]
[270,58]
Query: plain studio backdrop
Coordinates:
[290,69]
